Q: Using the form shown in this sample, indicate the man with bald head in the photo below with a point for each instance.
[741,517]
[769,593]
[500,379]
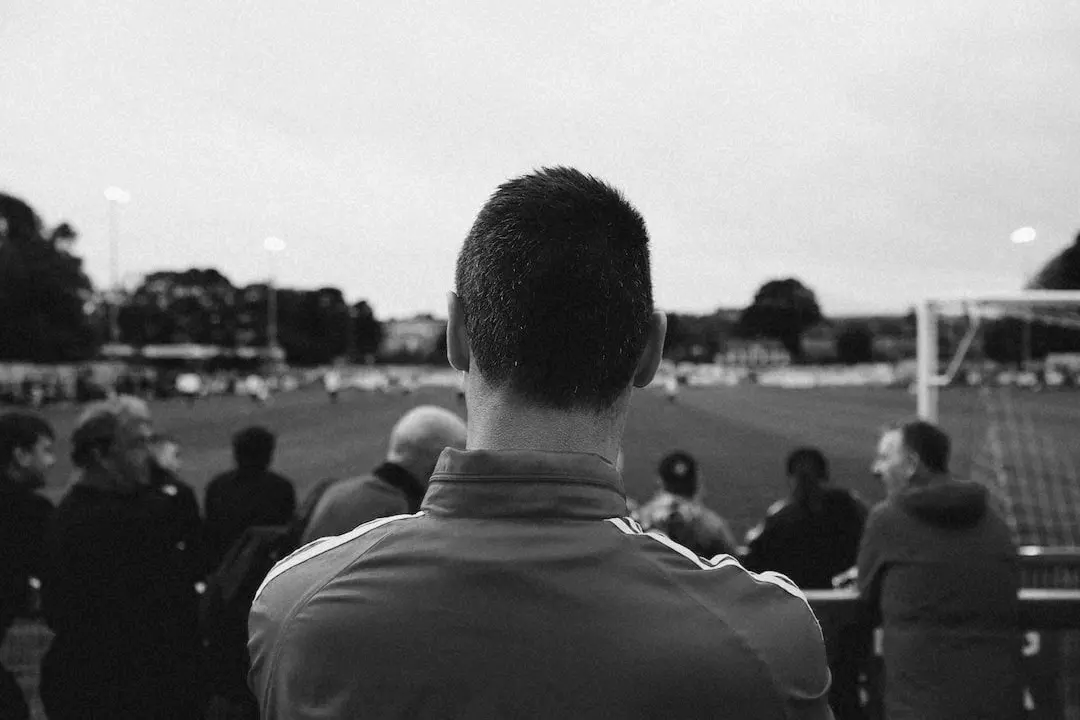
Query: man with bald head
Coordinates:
[398,484]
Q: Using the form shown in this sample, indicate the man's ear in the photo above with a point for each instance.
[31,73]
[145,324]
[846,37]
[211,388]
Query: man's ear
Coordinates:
[457,340]
[650,359]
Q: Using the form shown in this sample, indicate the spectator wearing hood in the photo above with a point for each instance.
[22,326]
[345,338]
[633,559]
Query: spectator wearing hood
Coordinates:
[938,568]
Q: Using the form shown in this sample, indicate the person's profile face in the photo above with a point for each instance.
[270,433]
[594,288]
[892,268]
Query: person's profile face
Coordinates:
[131,451]
[167,455]
[35,462]
[893,465]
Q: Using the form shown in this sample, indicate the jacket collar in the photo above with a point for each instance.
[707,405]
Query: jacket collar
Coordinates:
[522,483]
[400,478]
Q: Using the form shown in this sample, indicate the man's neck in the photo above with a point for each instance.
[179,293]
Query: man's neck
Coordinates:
[497,424]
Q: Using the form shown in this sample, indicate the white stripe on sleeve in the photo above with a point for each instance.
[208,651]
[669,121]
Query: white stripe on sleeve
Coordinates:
[318,547]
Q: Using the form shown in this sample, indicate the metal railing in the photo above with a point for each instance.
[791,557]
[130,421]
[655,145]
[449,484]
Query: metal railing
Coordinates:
[1049,621]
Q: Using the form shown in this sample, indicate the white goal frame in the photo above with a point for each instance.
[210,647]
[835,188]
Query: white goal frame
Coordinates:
[928,377]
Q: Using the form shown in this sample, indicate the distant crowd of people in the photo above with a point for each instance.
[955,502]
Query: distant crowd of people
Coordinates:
[496,568]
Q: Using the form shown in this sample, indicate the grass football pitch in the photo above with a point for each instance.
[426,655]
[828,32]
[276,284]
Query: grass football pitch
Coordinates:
[740,436]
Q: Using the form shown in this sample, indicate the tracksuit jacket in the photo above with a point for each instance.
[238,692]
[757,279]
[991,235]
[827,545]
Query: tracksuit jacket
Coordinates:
[522,589]
[939,567]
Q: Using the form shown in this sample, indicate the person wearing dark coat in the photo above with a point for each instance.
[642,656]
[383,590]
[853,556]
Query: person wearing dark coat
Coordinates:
[180,503]
[398,484]
[249,495]
[120,604]
[811,536]
[938,568]
[26,455]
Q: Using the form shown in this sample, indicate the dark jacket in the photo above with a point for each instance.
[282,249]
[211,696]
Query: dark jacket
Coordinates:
[181,508]
[808,545]
[521,589]
[24,518]
[122,608]
[243,498]
[389,490]
[939,566]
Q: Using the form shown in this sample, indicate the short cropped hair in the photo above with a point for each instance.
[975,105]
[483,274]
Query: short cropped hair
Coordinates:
[98,425]
[555,285]
[811,455]
[930,444]
[679,474]
[22,430]
[253,448]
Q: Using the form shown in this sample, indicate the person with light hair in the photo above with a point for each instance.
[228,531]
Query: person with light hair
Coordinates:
[122,609]
[398,484]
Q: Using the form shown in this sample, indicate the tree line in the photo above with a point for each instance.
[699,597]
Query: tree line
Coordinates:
[50,311]
[784,310]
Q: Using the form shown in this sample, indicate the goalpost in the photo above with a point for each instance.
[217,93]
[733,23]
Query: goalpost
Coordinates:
[1015,422]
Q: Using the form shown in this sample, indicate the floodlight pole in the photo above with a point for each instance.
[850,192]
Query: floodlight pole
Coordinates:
[115,196]
[926,353]
[114,274]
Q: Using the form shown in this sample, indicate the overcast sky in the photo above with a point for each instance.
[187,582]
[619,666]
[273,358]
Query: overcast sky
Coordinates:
[878,151]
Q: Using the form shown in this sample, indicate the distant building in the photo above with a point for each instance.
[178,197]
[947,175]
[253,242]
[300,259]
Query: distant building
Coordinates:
[819,344]
[739,352]
[415,337]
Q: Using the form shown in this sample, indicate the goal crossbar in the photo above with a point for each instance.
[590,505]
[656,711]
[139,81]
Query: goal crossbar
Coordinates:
[928,378]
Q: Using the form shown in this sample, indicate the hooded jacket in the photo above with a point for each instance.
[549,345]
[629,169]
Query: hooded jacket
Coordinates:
[939,569]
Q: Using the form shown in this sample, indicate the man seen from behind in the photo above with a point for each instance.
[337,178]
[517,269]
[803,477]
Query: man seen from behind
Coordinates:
[250,494]
[521,588]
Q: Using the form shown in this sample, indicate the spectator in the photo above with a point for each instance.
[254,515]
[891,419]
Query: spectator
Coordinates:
[332,384]
[26,455]
[938,567]
[521,589]
[677,510]
[395,487]
[189,386]
[179,504]
[122,614]
[813,534]
[249,495]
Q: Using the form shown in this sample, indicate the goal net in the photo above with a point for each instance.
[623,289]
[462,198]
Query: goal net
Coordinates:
[1001,374]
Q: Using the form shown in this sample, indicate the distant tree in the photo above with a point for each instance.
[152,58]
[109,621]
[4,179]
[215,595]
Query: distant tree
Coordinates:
[1008,340]
[782,309]
[855,344]
[189,306]
[44,292]
[367,330]
[696,338]
[1062,272]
